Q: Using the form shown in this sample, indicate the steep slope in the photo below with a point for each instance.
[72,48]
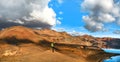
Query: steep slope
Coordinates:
[33,35]
[111,42]
[19,32]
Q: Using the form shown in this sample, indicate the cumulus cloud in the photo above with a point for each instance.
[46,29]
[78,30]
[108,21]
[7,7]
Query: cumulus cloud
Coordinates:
[100,12]
[30,13]
[118,22]
[116,32]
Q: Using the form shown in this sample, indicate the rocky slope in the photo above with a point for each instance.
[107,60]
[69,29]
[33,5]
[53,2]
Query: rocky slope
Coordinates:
[21,44]
[111,42]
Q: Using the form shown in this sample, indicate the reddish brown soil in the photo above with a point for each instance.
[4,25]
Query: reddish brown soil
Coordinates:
[21,44]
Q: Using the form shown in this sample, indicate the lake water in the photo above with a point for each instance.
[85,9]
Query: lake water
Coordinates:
[114,58]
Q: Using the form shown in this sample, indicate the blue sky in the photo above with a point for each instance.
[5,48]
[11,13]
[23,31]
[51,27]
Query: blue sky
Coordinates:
[99,18]
[71,19]
[71,13]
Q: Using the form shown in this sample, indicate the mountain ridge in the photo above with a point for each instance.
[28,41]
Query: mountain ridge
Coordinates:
[21,44]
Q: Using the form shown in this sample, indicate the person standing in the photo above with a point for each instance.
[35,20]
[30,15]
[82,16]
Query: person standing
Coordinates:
[53,46]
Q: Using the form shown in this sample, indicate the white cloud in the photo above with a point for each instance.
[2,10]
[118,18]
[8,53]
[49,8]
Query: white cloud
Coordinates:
[108,35]
[92,25]
[100,13]
[116,11]
[106,18]
[60,18]
[59,29]
[45,16]
[60,12]
[75,33]
[58,22]
[118,22]
[116,32]
[25,12]
[60,1]
[69,31]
